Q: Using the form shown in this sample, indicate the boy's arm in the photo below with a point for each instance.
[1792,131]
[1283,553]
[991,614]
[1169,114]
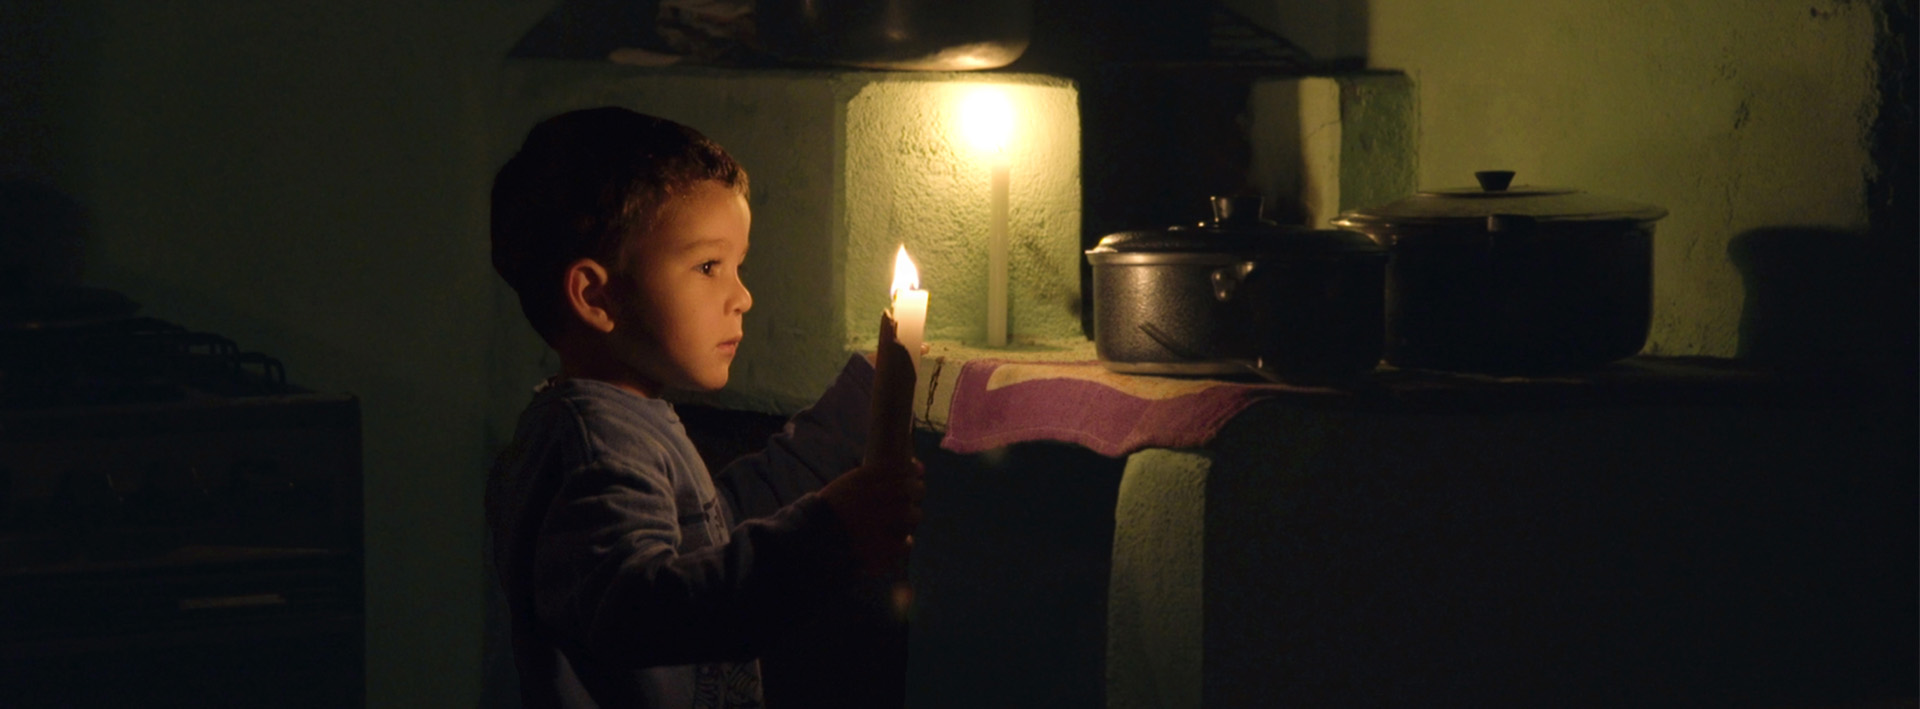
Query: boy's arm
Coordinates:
[815,447]
[611,584]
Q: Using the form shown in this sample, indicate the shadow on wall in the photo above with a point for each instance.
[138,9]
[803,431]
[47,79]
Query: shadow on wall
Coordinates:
[1826,303]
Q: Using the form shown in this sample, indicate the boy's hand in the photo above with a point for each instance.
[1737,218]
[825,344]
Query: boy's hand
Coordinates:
[880,507]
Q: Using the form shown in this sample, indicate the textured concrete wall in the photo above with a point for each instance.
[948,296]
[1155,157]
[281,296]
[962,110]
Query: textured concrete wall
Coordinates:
[1323,145]
[1735,116]
[911,178]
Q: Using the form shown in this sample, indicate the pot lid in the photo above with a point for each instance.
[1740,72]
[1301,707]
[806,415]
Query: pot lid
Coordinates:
[1238,228]
[1495,197]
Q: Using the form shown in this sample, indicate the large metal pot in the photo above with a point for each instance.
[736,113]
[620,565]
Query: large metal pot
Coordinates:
[1238,295]
[1521,279]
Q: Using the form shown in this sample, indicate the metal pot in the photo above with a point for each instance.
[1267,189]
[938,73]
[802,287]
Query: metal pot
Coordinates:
[1238,294]
[1522,279]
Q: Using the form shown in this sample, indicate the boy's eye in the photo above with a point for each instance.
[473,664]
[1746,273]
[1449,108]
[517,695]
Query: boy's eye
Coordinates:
[706,268]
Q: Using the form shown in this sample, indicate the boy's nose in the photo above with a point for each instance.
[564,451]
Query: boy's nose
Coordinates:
[742,300]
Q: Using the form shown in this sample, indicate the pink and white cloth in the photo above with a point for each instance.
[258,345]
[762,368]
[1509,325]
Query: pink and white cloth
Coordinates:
[1000,402]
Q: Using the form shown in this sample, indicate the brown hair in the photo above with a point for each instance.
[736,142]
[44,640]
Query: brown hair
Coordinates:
[582,185]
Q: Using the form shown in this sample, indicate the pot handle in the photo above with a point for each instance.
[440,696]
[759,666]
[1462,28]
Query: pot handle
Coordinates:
[1226,279]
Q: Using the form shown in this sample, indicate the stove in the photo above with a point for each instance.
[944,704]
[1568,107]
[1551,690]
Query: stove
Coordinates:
[176,514]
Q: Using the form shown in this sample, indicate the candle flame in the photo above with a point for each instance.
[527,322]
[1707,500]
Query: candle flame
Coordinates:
[986,119]
[905,276]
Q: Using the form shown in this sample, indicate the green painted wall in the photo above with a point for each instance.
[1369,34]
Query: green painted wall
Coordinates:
[1738,117]
[1735,116]
[1322,145]
[309,179]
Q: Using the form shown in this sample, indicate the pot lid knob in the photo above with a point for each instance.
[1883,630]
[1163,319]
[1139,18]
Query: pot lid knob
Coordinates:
[1494,180]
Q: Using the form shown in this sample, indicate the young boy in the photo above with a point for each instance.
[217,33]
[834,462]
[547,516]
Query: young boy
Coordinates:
[634,579]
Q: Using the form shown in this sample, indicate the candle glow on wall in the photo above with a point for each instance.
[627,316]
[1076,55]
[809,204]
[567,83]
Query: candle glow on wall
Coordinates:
[986,121]
[919,169]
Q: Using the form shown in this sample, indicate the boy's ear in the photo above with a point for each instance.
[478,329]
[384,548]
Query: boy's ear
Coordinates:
[588,294]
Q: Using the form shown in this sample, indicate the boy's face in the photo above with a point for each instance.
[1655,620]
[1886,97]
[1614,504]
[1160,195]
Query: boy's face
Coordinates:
[680,300]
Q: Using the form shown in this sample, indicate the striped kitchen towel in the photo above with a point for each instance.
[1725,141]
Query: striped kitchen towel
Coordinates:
[1000,402]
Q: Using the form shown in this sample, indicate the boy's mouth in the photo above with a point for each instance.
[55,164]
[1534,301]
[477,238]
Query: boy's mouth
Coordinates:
[730,346]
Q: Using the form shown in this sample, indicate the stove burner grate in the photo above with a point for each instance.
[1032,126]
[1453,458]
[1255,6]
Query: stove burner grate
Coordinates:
[128,361]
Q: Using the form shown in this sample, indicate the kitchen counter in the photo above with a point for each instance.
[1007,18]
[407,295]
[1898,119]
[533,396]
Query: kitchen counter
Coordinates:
[1635,381]
[1668,530]
[1621,555]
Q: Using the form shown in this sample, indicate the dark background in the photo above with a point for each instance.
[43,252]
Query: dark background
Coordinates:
[91,122]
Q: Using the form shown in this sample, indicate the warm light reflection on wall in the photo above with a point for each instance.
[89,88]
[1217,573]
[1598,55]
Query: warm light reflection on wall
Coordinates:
[928,164]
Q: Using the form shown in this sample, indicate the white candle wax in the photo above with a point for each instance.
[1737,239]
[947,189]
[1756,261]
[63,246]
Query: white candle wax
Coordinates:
[997,254]
[910,321]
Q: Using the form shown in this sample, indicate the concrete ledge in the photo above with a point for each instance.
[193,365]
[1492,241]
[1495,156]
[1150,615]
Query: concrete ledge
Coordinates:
[1154,604]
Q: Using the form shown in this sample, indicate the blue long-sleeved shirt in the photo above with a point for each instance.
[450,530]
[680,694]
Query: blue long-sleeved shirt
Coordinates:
[632,577]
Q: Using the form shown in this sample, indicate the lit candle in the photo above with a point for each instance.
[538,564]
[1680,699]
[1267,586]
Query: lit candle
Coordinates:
[909,305]
[896,360]
[987,121]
